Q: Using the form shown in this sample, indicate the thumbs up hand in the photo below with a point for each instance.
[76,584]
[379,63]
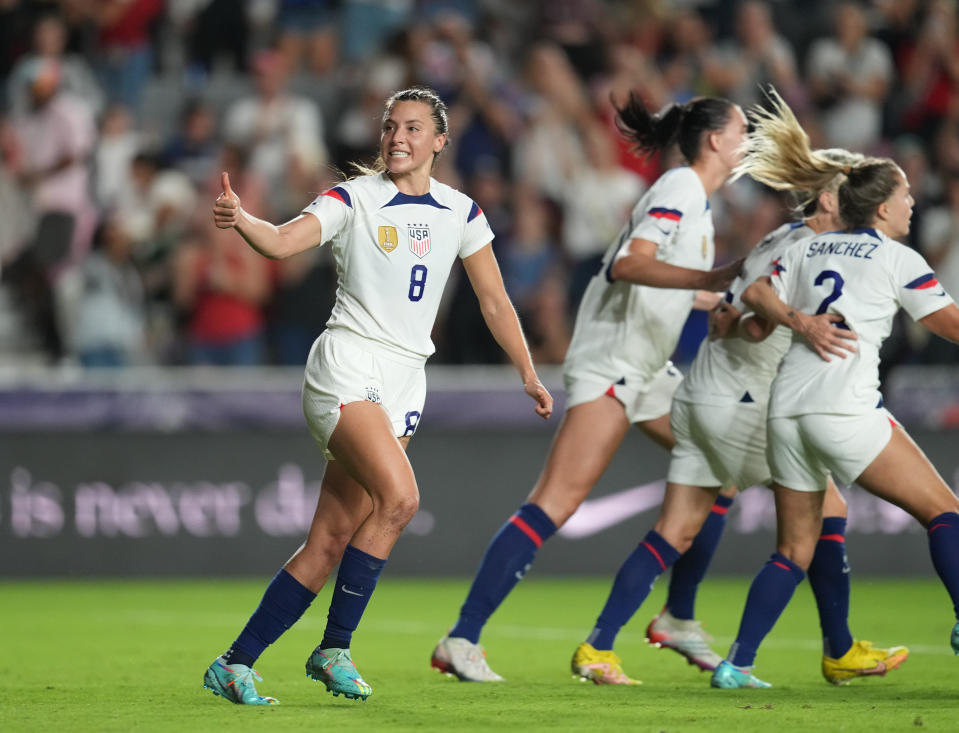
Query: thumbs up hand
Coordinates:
[226,209]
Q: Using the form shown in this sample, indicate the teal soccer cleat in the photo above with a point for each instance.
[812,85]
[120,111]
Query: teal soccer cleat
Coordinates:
[335,669]
[234,682]
[954,638]
[728,677]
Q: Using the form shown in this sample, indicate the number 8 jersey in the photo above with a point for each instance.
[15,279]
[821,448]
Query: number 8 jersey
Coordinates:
[865,277]
[393,254]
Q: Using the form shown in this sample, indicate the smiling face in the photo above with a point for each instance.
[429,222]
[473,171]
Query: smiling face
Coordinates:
[409,141]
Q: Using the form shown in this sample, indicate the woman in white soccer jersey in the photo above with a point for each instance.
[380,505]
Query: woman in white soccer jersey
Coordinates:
[395,234]
[617,370]
[718,418]
[827,417]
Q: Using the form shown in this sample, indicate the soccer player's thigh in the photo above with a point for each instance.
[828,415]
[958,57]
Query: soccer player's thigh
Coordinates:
[395,393]
[692,484]
[688,463]
[588,436]
[650,411]
[732,438]
[337,374]
[904,476]
[793,462]
[343,396]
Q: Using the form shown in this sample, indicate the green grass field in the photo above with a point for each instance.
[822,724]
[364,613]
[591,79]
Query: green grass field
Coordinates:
[129,656]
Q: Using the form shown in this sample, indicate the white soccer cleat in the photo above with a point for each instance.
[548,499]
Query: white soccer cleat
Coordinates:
[464,660]
[684,636]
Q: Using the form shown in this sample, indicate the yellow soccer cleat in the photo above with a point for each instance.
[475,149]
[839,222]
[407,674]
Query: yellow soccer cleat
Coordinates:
[862,660]
[603,667]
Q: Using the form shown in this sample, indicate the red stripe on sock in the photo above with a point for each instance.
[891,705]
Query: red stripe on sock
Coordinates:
[719,509]
[934,527]
[527,530]
[655,554]
[833,537]
[780,565]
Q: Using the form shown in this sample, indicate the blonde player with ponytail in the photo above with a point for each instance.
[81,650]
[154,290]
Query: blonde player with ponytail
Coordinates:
[826,418]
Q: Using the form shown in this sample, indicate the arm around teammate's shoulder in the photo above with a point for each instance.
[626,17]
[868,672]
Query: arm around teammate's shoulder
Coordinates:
[276,242]
[501,319]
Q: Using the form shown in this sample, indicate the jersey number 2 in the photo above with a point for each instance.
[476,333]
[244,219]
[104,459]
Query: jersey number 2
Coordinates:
[837,283]
[417,282]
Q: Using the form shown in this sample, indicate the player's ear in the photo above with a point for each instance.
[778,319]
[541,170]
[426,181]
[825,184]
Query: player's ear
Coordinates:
[828,202]
[882,211]
[712,139]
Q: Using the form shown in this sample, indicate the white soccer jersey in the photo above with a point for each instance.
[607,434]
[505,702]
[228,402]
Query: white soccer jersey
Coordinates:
[393,256]
[732,369]
[628,332]
[865,277]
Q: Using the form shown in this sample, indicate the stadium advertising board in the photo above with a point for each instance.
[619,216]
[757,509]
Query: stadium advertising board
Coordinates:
[187,503]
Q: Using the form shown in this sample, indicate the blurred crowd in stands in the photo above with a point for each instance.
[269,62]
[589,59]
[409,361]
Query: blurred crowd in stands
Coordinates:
[117,117]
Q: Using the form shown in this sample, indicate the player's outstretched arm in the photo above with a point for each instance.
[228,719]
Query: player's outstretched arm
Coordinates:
[818,331]
[944,322]
[503,323]
[636,263]
[275,242]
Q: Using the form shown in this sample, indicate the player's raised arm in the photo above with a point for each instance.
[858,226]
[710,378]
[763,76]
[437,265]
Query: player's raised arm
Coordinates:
[270,240]
[501,319]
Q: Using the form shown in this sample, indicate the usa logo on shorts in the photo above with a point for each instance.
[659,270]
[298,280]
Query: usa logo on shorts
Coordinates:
[419,239]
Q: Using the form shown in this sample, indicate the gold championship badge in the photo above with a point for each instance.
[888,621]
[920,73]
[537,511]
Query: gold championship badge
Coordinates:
[388,238]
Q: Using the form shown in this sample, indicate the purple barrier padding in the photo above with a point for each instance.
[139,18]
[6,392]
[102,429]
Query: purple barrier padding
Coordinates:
[172,410]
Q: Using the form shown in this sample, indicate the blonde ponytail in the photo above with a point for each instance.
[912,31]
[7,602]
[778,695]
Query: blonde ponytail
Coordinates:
[778,154]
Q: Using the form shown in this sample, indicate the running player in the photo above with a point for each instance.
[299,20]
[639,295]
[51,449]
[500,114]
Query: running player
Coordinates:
[395,233]
[617,370]
[826,417]
[718,418]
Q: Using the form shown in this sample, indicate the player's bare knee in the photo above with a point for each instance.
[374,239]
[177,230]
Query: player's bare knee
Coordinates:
[558,500]
[800,552]
[397,510]
[559,513]
[679,537]
[944,503]
[326,549]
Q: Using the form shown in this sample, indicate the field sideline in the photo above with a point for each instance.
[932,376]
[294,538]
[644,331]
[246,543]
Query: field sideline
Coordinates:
[129,656]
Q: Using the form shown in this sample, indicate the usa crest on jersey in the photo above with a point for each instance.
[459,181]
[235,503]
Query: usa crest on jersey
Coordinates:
[419,239]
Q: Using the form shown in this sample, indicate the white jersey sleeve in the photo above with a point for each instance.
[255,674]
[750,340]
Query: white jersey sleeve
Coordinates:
[919,290]
[334,209]
[672,197]
[477,233]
